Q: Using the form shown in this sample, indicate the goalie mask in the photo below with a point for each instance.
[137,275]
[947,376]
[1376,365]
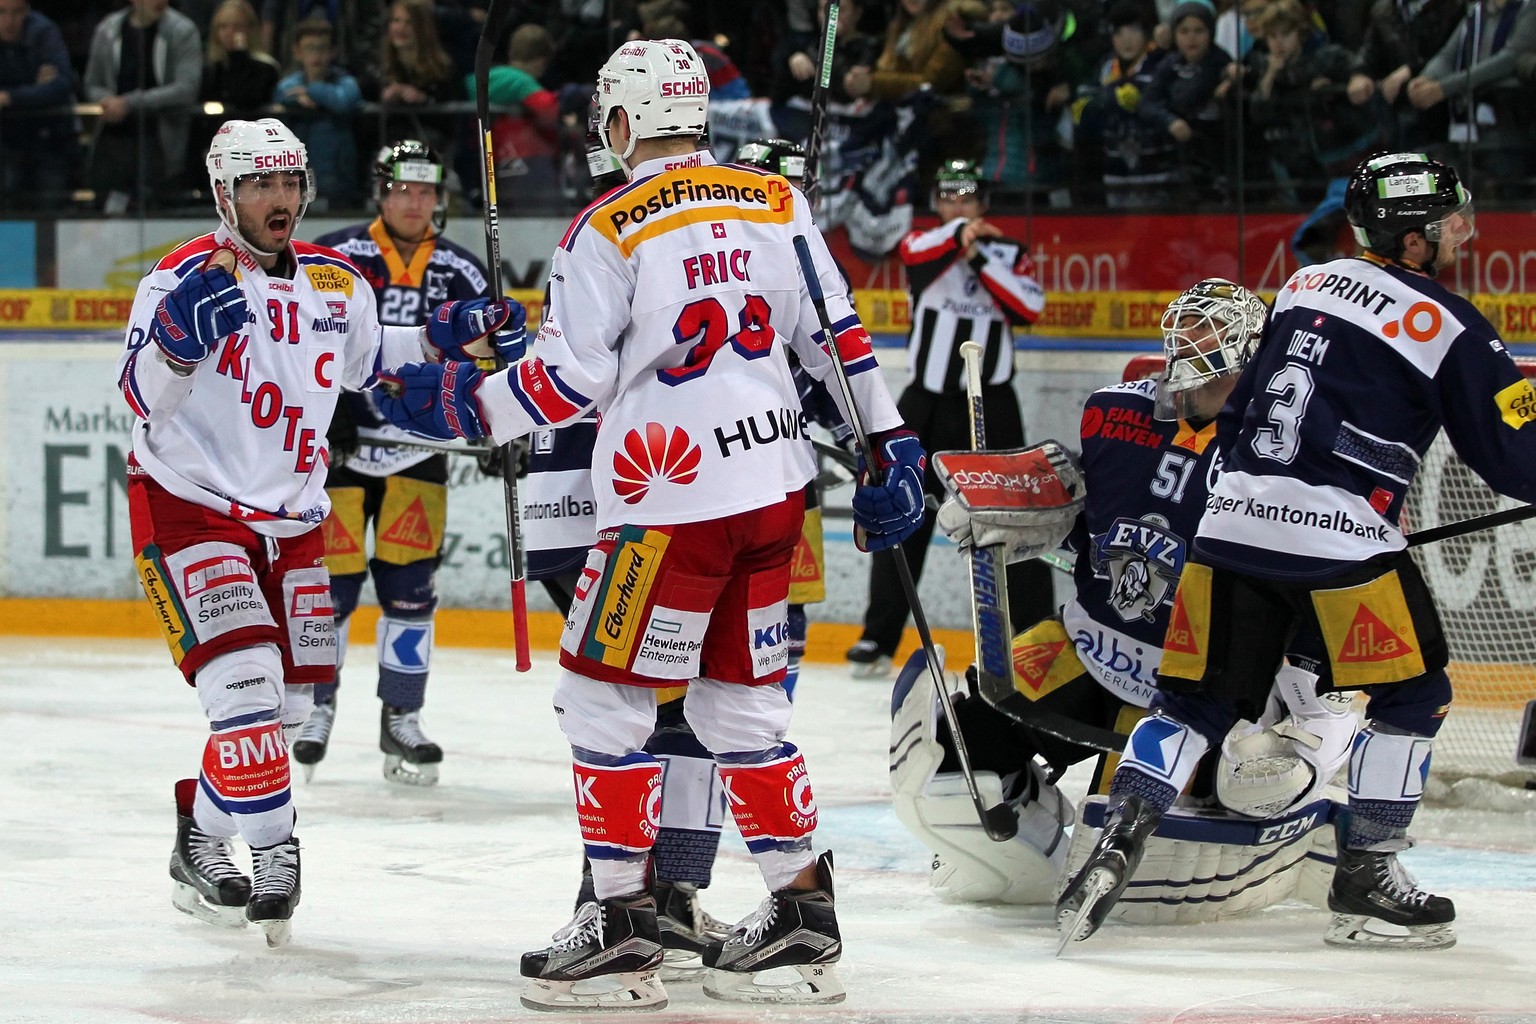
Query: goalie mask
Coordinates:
[246,150]
[407,161]
[661,84]
[1209,334]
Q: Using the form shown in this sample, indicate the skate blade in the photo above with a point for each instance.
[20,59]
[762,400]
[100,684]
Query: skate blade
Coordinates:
[877,669]
[682,965]
[278,932]
[188,900]
[1358,931]
[1075,926]
[403,773]
[622,993]
[309,772]
[802,983]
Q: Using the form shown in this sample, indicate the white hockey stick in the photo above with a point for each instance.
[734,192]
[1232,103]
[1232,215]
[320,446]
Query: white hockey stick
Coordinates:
[999,821]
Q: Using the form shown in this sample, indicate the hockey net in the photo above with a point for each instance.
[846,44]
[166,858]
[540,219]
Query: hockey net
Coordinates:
[1485,588]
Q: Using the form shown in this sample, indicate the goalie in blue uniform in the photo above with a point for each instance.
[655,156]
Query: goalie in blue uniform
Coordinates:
[1082,678]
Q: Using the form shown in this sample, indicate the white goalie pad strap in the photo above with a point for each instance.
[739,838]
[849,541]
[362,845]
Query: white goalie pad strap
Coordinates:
[1024,498]
[405,645]
[1204,865]
[967,865]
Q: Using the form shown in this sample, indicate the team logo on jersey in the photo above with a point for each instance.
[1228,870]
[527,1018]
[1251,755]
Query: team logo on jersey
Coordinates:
[329,279]
[1370,639]
[1142,559]
[652,456]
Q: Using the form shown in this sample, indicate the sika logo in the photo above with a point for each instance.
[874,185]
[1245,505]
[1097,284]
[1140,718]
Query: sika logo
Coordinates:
[651,456]
[1370,639]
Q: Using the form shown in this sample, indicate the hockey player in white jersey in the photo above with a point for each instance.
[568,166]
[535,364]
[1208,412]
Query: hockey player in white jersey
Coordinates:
[237,347]
[1363,361]
[671,300]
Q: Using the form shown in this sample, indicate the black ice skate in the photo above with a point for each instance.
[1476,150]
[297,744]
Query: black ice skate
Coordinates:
[686,929]
[310,745]
[274,889]
[1376,902]
[607,958]
[1091,894]
[794,929]
[409,757]
[867,661]
[207,884]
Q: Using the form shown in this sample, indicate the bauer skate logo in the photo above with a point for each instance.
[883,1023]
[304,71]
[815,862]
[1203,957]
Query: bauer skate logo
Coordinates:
[208,573]
[651,456]
[1142,559]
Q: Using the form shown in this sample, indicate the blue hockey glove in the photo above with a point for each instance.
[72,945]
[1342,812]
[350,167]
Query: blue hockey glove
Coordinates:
[891,511]
[454,325]
[206,307]
[433,400]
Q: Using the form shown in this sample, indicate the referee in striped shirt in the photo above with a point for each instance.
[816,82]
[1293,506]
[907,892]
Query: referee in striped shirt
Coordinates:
[967,281]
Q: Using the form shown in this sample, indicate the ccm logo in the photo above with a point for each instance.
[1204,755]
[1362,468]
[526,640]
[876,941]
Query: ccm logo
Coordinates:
[278,161]
[688,87]
[1288,830]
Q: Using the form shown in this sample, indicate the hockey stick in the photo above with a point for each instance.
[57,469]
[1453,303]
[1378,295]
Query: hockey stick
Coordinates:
[497,18]
[810,181]
[1000,822]
[1462,527]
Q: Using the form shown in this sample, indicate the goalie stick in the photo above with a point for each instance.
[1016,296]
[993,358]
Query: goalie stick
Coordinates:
[810,181]
[1000,822]
[497,18]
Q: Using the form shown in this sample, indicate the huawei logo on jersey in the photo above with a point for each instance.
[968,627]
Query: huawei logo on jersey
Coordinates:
[654,455]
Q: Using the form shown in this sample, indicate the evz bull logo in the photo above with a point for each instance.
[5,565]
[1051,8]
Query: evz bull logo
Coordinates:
[1142,560]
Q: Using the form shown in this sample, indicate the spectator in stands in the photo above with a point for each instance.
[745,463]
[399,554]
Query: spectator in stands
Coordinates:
[357,24]
[237,74]
[798,56]
[413,71]
[1474,75]
[1398,43]
[1137,161]
[1182,98]
[526,143]
[319,101]
[37,150]
[145,68]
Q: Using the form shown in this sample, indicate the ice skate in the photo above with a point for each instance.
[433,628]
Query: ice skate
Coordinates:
[1091,894]
[275,889]
[208,885]
[865,661]
[793,929]
[410,758]
[1377,903]
[608,958]
[315,736]
[686,929]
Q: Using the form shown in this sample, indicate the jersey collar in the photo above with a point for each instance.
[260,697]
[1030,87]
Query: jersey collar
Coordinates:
[656,165]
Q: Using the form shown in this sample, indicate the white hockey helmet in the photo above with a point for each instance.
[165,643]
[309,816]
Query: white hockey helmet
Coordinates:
[1209,332]
[661,84]
[243,148]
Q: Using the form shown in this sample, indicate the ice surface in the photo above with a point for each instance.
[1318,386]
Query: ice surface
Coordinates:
[418,903]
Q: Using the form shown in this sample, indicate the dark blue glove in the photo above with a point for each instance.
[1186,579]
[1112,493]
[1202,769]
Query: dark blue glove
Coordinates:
[433,400]
[206,307]
[453,325]
[891,511]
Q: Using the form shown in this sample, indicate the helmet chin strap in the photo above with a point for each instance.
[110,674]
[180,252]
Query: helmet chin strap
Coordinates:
[232,224]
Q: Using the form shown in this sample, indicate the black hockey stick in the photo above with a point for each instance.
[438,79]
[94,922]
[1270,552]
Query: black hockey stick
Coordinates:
[1462,527]
[1000,822]
[497,18]
[810,182]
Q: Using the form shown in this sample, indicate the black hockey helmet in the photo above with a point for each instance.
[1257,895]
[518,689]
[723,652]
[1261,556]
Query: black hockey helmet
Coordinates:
[1389,196]
[958,178]
[778,156]
[602,166]
[411,160]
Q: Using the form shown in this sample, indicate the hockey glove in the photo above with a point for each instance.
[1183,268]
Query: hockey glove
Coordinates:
[891,511]
[454,326]
[206,307]
[433,400]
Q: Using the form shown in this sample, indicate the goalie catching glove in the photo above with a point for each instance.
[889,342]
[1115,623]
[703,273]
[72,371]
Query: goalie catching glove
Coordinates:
[1024,499]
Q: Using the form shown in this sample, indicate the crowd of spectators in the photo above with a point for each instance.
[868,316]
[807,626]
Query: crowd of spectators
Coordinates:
[1130,104]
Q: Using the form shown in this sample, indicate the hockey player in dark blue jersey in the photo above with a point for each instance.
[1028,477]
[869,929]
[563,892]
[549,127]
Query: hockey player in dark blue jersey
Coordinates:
[1364,360]
[402,492]
[1149,457]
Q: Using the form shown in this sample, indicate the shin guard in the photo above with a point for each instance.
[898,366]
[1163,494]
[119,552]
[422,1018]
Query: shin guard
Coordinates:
[245,774]
[769,793]
[618,806]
